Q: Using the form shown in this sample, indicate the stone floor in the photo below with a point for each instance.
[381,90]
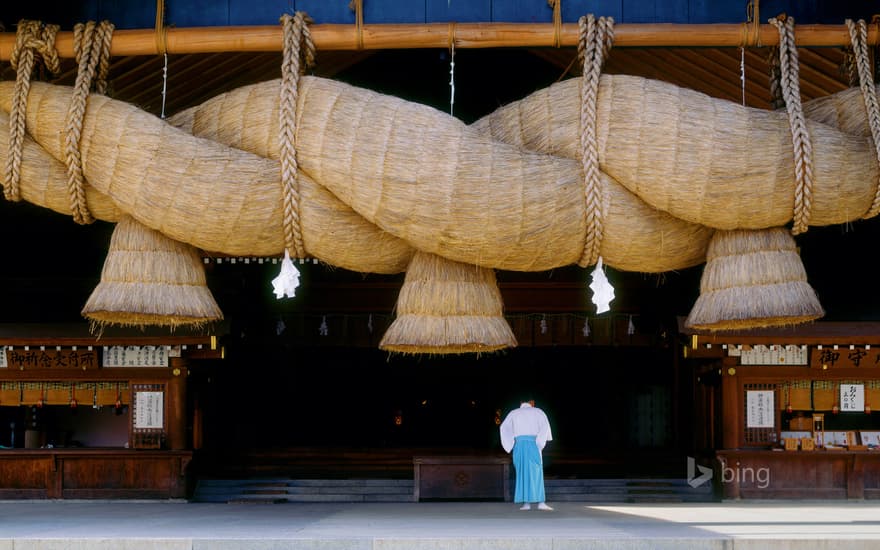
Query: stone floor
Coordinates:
[150,525]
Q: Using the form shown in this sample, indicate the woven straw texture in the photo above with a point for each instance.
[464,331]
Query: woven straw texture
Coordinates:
[149,279]
[380,178]
[423,177]
[753,279]
[448,307]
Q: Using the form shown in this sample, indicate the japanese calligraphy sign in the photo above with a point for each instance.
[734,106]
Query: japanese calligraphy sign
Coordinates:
[26,359]
[759,409]
[136,356]
[149,410]
[852,397]
[844,357]
[774,354]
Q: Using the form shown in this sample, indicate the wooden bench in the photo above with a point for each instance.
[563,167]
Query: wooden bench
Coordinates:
[461,477]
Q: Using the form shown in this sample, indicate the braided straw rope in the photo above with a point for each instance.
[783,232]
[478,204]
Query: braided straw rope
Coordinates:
[858,33]
[298,50]
[92,47]
[800,136]
[595,42]
[31,38]
[451,190]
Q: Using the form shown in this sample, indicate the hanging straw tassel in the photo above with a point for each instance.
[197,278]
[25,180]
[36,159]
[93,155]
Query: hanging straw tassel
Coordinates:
[149,279]
[446,307]
[753,279]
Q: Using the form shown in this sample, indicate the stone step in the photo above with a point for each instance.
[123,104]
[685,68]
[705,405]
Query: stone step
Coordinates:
[277,490]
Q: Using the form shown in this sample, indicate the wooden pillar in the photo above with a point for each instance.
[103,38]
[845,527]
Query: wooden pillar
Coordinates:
[731,409]
[177,404]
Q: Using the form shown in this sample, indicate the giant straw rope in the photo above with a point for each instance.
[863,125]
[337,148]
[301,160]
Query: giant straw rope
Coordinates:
[379,176]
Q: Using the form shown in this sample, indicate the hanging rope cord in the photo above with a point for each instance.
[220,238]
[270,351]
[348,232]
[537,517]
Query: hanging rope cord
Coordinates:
[858,33]
[32,38]
[596,38]
[789,89]
[91,45]
[299,54]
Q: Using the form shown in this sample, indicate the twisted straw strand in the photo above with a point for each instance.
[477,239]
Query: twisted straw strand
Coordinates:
[92,47]
[31,38]
[803,149]
[858,33]
[299,51]
[595,42]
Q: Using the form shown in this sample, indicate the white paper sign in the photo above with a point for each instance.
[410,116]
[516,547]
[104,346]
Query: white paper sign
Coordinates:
[852,398]
[149,410]
[760,410]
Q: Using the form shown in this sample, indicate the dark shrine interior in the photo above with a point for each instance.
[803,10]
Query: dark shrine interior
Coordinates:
[286,382]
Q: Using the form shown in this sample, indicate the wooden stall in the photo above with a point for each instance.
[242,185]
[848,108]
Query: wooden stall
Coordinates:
[86,416]
[797,409]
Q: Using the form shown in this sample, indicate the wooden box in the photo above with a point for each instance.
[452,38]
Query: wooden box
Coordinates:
[461,478]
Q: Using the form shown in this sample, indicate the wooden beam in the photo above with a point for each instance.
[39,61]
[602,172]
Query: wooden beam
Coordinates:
[441,35]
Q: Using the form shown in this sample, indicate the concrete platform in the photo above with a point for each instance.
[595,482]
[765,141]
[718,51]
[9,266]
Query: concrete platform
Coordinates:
[136,525]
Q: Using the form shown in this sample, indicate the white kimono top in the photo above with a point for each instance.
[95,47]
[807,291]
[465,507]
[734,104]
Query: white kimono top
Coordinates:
[526,420]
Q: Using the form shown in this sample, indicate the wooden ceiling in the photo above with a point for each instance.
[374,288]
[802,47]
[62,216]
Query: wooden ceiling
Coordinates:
[194,78]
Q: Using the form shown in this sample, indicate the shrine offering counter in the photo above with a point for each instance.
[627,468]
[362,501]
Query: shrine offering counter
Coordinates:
[96,417]
[796,413]
[478,477]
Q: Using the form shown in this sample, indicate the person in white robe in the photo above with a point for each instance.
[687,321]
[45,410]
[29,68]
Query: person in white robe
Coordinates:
[524,433]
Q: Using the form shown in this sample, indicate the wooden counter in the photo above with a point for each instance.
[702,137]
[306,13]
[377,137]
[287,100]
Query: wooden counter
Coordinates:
[93,474]
[820,474]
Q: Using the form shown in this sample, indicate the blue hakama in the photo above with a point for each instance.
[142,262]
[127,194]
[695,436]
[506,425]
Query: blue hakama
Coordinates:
[529,470]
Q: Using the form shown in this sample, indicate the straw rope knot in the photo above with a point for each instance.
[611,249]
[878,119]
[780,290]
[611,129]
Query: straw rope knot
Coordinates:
[299,54]
[91,45]
[800,136]
[858,33]
[596,38]
[31,38]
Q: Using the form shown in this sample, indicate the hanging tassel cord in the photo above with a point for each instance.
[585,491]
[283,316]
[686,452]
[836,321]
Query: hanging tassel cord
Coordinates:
[299,55]
[596,38]
[800,135]
[858,32]
[32,39]
[92,46]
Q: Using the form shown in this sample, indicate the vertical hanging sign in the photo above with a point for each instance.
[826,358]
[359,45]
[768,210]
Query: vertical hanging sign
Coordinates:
[760,412]
[852,398]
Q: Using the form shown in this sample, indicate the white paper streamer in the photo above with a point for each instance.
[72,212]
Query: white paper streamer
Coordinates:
[603,292]
[286,281]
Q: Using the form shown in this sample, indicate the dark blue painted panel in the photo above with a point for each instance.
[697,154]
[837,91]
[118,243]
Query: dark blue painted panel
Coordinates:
[458,10]
[197,13]
[65,14]
[820,11]
[713,11]
[327,11]
[394,11]
[573,10]
[127,14]
[655,11]
[264,12]
[522,11]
